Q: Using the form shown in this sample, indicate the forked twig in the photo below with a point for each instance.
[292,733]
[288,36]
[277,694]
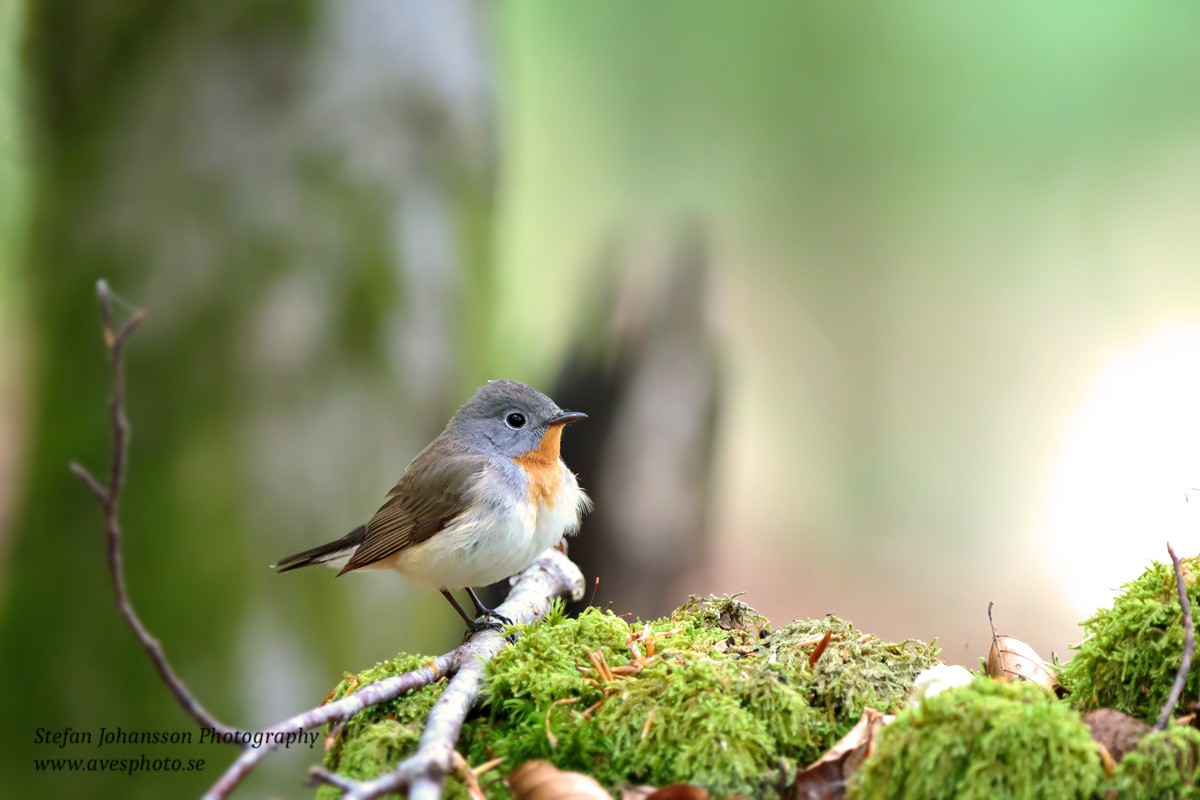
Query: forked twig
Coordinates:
[1189,645]
[343,709]
[553,575]
[110,502]
[422,774]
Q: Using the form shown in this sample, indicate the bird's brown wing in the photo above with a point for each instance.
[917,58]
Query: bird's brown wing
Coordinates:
[435,489]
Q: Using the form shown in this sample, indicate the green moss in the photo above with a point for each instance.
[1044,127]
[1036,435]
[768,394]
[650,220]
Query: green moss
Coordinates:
[855,672]
[1132,651]
[377,738]
[984,741]
[711,614]
[705,727]
[722,702]
[1163,767]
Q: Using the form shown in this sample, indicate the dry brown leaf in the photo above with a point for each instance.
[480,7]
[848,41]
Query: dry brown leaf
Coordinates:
[826,778]
[541,780]
[1012,659]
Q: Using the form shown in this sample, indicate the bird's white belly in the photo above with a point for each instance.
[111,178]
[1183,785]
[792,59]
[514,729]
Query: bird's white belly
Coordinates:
[490,545]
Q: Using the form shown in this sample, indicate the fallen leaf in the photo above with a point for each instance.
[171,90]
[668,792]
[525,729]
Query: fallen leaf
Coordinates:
[826,778]
[1010,658]
[541,780]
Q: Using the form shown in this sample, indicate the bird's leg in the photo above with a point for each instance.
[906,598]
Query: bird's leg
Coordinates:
[474,625]
[484,611]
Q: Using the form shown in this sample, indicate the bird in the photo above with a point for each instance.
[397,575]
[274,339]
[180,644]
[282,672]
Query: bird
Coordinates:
[477,505]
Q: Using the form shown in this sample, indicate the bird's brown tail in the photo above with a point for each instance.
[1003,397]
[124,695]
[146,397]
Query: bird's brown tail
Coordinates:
[333,551]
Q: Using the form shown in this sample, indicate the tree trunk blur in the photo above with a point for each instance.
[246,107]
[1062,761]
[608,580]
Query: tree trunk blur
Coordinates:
[292,190]
[648,378]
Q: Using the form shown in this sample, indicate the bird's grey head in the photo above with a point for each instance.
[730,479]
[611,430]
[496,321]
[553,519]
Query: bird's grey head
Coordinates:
[507,418]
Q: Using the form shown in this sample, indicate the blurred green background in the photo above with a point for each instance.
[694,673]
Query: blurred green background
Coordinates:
[950,289]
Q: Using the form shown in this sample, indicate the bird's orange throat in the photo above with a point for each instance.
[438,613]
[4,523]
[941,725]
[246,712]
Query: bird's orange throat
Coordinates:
[541,465]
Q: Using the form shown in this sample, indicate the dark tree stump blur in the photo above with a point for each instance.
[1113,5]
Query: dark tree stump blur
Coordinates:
[649,381]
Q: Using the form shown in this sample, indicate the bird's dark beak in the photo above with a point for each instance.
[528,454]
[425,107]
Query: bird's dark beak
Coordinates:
[566,418]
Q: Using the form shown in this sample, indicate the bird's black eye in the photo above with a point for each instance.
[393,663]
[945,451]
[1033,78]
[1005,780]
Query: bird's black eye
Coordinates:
[515,420]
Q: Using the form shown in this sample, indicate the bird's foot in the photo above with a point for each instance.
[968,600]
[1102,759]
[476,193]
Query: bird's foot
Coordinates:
[489,622]
[496,615]
[489,618]
[483,611]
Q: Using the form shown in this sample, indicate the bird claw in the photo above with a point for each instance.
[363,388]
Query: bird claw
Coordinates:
[496,615]
[489,621]
[491,618]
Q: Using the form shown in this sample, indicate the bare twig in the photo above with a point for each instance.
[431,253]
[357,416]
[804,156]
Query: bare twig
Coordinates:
[1189,644]
[552,575]
[110,502]
[347,707]
[319,774]
[995,638]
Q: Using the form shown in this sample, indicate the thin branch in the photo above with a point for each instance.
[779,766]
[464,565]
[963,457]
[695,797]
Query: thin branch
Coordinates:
[422,774]
[1189,644]
[348,706]
[322,775]
[110,502]
[79,471]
